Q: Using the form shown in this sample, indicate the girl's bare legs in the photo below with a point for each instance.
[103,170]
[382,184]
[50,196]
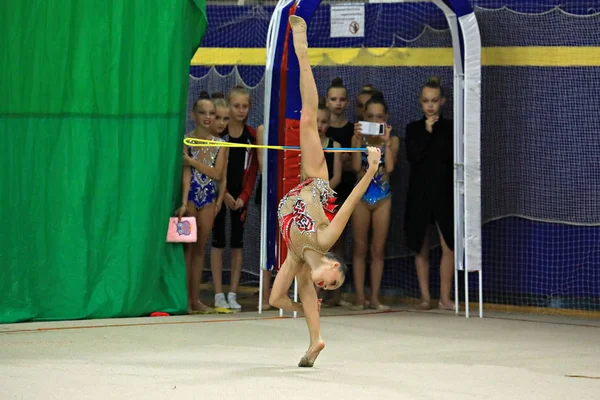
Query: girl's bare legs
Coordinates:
[422,264]
[381,224]
[204,218]
[339,246]
[237,256]
[216,266]
[310,307]
[361,222]
[187,252]
[313,159]
[446,275]
[266,290]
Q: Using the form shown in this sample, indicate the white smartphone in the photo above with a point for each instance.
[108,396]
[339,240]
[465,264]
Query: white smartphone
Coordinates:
[372,128]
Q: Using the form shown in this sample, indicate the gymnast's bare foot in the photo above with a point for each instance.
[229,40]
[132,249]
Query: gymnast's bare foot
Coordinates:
[201,308]
[297,23]
[446,305]
[298,26]
[311,355]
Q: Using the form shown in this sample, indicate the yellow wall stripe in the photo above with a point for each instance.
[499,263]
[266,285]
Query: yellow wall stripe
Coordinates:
[410,57]
[542,56]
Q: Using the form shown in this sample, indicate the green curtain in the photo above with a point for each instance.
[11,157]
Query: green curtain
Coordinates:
[92,117]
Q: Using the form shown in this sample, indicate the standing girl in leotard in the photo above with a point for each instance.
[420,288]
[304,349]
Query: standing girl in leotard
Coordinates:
[375,206]
[307,218]
[203,168]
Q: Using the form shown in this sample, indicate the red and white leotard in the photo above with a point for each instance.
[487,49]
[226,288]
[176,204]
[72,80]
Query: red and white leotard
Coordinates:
[303,212]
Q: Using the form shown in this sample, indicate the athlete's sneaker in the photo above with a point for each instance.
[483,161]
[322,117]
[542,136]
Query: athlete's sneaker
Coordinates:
[233,304]
[220,301]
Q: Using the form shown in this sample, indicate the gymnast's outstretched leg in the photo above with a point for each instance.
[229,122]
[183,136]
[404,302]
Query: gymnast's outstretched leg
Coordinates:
[312,158]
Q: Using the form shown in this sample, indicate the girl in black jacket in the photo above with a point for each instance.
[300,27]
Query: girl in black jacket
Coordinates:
[430,201]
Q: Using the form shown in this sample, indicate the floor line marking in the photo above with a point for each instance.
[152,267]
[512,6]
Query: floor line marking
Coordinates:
[61,328]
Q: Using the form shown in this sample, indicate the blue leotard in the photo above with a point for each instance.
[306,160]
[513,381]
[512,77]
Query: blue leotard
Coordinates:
[379,187]
[203,190]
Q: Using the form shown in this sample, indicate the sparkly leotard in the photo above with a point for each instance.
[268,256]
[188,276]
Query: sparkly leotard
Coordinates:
[379,187]
[203,190]
[303,212]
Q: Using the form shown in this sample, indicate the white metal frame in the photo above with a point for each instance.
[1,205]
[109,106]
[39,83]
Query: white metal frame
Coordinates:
[467,180]
[472,154]
[467,191]
[274,25]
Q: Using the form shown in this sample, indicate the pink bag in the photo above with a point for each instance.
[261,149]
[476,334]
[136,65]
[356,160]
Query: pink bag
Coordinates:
[182,230]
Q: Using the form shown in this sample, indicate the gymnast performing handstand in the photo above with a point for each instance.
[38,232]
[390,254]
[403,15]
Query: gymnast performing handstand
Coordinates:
[307,216]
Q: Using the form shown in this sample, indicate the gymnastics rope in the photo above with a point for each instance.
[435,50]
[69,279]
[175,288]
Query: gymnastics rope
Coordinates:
[214,143]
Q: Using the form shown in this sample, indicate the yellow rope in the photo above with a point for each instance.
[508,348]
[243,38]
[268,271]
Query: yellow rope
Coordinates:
[192,142]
